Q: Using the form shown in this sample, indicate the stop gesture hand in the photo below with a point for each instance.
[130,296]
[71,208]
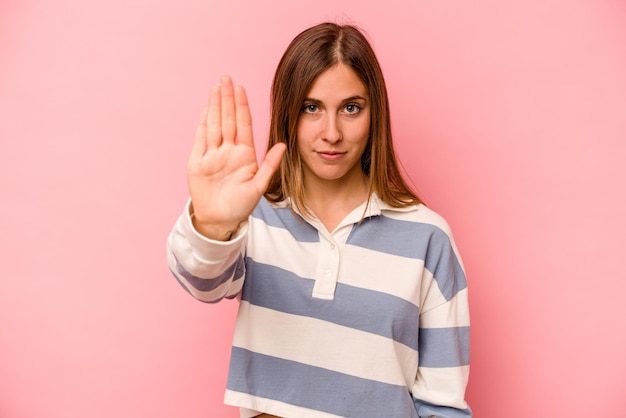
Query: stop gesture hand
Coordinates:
[225,182]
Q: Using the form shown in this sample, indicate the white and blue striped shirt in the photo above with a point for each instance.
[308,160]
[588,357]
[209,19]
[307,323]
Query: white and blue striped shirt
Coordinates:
[369,320]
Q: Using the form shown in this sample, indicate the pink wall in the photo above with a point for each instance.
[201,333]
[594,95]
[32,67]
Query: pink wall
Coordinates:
[511,120]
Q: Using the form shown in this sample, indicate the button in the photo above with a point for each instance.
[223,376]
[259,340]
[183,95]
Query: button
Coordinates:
[332,246]
[328,273]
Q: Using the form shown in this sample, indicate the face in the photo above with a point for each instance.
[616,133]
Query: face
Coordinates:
[333,128]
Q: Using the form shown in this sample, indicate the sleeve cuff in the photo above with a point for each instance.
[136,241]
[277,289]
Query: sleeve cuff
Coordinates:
[203,244]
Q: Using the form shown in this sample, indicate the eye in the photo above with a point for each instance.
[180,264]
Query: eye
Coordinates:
[310,108]
[352,108]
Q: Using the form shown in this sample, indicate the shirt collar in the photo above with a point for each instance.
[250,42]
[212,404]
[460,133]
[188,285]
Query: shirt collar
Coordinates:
[375,206]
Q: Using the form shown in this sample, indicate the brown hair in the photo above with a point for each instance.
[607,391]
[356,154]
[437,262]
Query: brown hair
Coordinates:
[310,53]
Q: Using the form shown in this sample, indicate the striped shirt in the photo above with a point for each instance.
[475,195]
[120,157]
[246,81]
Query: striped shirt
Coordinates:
[369,320]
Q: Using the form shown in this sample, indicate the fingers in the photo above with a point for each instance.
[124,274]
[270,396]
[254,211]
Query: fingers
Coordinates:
[213,121]
[229,127]
[227,118]
[199,143]
[243,117]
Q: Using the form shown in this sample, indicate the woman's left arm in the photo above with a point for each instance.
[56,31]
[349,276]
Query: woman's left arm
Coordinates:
[444,337]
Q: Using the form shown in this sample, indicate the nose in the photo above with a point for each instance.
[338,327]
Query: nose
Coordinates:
[332,130]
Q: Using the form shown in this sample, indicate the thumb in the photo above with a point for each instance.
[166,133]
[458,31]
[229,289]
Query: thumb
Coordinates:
[269,166]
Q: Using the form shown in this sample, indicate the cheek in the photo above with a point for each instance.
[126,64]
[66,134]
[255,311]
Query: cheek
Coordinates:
[363,130]
[305,133]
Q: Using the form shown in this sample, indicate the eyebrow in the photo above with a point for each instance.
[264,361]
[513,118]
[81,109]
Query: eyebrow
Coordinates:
[348,99]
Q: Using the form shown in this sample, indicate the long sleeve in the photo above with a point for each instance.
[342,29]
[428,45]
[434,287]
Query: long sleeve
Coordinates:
[209,270]
[444,337]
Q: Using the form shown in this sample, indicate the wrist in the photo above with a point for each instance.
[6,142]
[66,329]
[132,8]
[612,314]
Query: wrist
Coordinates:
[211,230]
[215,232]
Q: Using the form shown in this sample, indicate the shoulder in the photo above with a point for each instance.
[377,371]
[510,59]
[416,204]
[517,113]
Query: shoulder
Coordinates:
[418,214]
[277,217]
[268,210]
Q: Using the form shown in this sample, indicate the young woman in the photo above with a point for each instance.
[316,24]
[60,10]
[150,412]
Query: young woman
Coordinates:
[353,299]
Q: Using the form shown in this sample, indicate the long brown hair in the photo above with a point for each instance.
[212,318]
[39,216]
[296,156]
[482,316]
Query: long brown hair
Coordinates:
[309,54]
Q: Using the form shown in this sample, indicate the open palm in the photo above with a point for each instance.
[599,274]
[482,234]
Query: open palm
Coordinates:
[225,182]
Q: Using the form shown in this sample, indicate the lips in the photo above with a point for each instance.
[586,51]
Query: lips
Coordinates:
[330,155]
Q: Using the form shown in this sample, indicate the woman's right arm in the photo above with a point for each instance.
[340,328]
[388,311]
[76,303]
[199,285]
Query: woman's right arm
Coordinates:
[207,244]
[210,270]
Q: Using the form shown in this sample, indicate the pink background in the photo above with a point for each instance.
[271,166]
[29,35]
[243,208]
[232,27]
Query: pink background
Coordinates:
[509,116]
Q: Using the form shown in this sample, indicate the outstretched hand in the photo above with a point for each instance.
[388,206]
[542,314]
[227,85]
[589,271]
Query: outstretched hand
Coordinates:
[225,182]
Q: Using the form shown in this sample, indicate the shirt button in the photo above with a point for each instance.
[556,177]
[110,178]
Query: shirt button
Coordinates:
[332,246]
[328,273]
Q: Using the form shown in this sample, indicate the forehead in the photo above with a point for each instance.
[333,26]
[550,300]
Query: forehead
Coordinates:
[337,83]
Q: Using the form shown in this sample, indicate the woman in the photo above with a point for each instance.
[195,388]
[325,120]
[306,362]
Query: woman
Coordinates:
[353,300]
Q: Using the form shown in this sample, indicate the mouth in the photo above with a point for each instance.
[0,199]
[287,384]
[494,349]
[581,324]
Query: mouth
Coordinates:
[330,155]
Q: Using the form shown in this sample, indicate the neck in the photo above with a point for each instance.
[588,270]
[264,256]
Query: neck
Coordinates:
[332,201]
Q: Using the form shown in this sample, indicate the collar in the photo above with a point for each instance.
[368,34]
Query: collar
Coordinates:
[373,207]
[376,206]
